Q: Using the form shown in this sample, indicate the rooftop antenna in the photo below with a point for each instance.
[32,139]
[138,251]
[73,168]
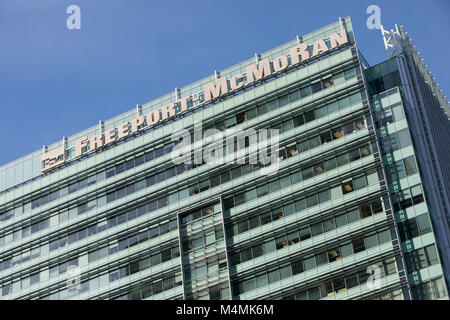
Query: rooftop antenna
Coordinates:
[391,41]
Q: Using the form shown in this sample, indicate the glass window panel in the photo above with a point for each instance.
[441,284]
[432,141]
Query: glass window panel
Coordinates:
[312,200]
[285,272]
[332,107]
[324,196]
[410,165]
[359,182]
[358,245]
[403,137]
[337,133]
[305,91]
[341,220]
[346,250]
[316,87]
[307,173]
[349,128]
[423,222]
[309,116]
[353,215]
[262,109]
[274,276]
[272,105]
[322,111]
[300,205]
[316,229]
[384,236]
[303,146]
[330,164]
[370,241]
[342,159]
[343,103]
[322,258]
[273,186]
[305,233]
[329,225]
[299,120]
[309,263]
[285,182]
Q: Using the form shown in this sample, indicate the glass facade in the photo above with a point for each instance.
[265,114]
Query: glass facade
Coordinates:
[348,206]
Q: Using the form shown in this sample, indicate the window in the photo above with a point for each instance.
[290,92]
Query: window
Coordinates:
[342,159]
[359,182]
[321,112]
[358,245]
[354,155]
[341,220]
[410,165]
[349,128]
[370,241]
[312,200]
[297,267]
[337,133]
[299,120]
[291,150]
[285,272]
[324,196]
[305,91]
[295,95]
[303,146]
[305,233]
[316,229]
[321,259]
[307,173]
[309,116]
[349,73]
[347,187]
[332,107]
[325,137]
[360,124]
[274,276]
[328,83]
[334,255]
[316,87]
[328,225]
[310,263]
[424,223]
[272,105]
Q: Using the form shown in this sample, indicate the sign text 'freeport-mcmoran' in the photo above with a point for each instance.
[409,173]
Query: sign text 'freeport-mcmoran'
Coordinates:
[211,91]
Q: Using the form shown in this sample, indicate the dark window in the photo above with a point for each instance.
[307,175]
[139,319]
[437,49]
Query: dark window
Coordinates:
[316,87]
[309,116]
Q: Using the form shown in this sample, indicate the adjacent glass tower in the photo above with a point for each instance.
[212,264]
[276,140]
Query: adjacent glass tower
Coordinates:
[358,208]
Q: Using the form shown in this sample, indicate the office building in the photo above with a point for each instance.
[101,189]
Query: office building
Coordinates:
[357,207]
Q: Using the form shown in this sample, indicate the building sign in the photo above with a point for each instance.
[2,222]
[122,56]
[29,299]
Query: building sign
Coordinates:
[211,91]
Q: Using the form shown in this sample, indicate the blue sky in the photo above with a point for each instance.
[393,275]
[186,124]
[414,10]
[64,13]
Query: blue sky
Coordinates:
[55,82]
